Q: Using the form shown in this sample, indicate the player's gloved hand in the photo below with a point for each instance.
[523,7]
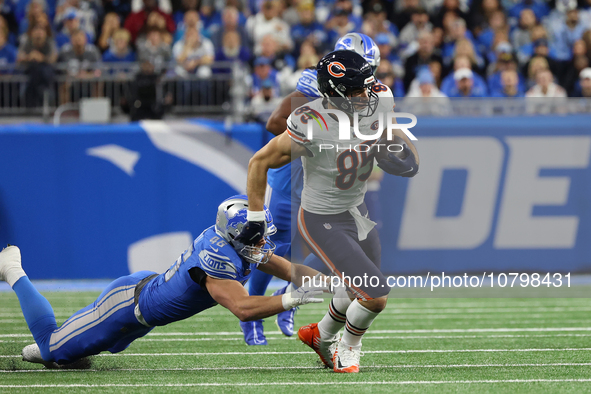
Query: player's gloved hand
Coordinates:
[254,230]
[405,167]
[305,294]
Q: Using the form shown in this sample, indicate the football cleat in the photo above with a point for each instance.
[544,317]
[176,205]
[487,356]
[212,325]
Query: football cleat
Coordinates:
[253,332]
[32,354]
[324,348]
[10,264]
[285,319]
[346,358]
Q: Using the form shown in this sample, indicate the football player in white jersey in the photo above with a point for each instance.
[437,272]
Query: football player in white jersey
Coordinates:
[333,218]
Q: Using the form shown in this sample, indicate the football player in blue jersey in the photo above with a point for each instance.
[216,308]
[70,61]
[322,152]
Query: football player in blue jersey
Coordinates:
[284,185]
[212,271]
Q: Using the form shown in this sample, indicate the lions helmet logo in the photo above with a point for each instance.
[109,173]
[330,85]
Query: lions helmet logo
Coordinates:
[339,69]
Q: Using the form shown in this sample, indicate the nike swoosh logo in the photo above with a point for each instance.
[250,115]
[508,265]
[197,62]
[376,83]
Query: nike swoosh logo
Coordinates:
[411,168]
[214,249]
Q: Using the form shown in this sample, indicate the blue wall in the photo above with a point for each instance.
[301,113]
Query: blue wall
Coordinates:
[496,193]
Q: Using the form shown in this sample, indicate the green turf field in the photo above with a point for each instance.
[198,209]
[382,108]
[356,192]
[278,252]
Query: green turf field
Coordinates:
[416,345]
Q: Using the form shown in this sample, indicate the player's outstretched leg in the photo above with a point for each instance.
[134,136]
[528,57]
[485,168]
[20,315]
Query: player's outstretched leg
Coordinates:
[323,337]
[358,320]
[36,309]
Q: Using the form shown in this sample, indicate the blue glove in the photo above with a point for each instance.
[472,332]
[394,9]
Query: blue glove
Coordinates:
[251,233]
[394,165]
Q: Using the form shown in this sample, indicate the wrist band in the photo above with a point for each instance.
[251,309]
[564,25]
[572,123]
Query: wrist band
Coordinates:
[255,216]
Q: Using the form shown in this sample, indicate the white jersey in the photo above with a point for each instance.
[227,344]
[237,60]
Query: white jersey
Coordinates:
[335,170]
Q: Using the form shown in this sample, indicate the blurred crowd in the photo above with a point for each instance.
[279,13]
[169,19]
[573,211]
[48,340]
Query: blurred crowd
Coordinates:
[429,48]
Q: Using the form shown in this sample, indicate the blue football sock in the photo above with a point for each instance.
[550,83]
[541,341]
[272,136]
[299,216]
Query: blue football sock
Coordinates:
[37,312]
[258,283]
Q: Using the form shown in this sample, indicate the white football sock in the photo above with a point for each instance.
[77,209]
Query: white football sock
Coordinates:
[335,318]
[359,318]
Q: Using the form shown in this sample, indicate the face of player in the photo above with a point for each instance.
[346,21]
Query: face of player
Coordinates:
[359,98]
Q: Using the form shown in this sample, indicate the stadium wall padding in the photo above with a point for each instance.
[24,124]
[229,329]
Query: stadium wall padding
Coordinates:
[493,194]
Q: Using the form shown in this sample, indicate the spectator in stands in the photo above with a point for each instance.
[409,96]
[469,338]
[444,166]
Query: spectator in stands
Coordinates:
[572,78]
[545,86]
[464,87]
[449,6]
[264,102]
[111,24]
[7,50]
[155,21]
[565,36]
[402,17]
[84,10]
[8,21]
[280,61]
[308,27]
[480,14]
[231,50]
[308,58]
[386,45]
[465,47]
[521,35]
[539,7]
[194,54]
[38,53]
[510,85]
[587,39]
[497,24]
[585,82]
[419,22]
[378,19]
[80,56]
[536,64]
[425,86]
[191,19]
[541,48]
[339,25]
[230,22]
[35,9]
[136,21]
[457,33]
[119,51]
[263,71]
[71,23]
[462,61]
[426,53]
[386,75]
[154,50]
[268,22]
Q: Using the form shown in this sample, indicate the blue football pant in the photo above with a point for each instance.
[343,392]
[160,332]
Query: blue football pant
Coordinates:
[109,323]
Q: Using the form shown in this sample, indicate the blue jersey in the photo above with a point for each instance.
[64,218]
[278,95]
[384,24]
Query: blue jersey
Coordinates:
[174,295]
[280,179]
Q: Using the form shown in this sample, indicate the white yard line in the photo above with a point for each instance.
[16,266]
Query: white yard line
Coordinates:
[406,366]
[309,352]
[410,382]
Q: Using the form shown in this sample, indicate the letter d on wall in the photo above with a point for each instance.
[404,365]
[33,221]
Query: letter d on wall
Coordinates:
[482,157]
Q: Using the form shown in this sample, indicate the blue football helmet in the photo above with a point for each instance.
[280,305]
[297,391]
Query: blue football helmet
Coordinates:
[231,217]
[361,44]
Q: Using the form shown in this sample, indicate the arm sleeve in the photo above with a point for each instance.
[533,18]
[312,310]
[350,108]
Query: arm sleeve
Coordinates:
[308,85]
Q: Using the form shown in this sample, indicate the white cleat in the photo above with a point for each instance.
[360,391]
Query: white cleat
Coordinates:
[10,265]
[346,358]
[32,354]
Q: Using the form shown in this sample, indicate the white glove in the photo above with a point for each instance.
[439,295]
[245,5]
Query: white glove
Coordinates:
[304,295]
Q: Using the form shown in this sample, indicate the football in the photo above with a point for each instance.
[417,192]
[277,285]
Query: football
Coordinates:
[395,146]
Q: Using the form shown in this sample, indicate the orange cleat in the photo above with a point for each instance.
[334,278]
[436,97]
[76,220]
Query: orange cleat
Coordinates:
[325,349]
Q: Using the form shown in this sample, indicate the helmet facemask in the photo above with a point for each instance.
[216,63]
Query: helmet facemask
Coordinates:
[347,101]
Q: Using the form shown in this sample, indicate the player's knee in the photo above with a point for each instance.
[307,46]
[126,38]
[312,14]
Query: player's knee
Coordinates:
[375,305]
